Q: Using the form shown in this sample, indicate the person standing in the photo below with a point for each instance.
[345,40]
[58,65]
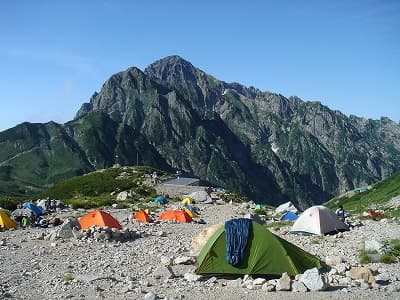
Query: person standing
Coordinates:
[340,212]
[26,222]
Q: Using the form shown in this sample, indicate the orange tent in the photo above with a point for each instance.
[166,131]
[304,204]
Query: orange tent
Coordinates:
[176,215]
[99,218]
[142,216]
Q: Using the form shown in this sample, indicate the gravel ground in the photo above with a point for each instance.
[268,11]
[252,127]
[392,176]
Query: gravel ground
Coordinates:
[36,269]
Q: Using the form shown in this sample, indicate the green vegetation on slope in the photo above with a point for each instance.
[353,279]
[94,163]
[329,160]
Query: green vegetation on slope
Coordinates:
[100,188]
[377,197]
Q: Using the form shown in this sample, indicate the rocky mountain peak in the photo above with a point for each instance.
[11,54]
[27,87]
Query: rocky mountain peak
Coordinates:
[172,69]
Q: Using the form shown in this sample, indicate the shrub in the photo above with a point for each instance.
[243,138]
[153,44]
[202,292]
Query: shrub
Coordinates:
[390,250]
[236,198]
[87,203]
[10,203]
[279,224]
[388,259]
[316,240]
[68,277]
[259,211]
[363,257]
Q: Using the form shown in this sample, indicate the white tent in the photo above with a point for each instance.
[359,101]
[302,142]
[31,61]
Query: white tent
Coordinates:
[318,220]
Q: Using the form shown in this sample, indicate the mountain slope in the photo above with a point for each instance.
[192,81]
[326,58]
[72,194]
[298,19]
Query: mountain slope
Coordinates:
[384,195]
[174,116]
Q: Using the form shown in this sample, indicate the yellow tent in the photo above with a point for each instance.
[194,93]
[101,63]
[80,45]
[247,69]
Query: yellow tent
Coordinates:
[187,201]
[5,221]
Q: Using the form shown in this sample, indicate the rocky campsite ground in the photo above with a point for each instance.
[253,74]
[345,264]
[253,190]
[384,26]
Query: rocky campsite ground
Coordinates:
[155,263]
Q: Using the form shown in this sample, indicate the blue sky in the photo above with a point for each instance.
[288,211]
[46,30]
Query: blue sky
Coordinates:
[55,54]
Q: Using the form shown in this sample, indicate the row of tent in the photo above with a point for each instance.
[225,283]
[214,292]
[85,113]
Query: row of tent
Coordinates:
[104,219]
[27,209]
[265,253]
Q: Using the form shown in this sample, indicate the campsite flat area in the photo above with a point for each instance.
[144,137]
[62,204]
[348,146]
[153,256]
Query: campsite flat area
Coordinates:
[73,268]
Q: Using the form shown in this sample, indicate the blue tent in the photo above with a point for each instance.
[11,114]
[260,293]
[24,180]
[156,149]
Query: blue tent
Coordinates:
[289,216]
[160,200]
[36,209]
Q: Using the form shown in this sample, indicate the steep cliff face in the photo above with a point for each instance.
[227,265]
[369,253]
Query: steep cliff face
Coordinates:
[175,116]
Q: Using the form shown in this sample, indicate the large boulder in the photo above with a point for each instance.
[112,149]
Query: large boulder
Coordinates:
[200,196]
[125,195]
[67,230]
[362,273]
[373,245]
[199,240]
[313,280]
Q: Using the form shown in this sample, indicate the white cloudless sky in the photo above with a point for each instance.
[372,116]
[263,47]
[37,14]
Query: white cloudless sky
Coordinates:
[55,54]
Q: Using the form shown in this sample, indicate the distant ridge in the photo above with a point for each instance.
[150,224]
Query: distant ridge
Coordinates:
[175,116]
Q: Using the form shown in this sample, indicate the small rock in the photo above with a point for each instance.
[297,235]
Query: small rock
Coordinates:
[333,271]
[365,285]
[344,280]
[234,283]
[341,268]
[118,205]
[163,272]
[212,279]
[144,283]
[250,286]
[298,286]
[184,260]
[166,261]
[259,281]
[268,287]
[284,283]
[192,277]
[384,277]
[150,296]
[333,260]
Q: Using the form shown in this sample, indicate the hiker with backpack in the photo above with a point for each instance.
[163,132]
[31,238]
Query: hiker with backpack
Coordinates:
[341,213]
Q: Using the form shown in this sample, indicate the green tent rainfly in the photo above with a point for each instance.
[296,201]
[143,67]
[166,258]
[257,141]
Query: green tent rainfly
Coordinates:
[265,254]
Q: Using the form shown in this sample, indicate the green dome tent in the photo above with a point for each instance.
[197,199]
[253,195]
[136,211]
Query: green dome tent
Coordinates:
[265,254]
